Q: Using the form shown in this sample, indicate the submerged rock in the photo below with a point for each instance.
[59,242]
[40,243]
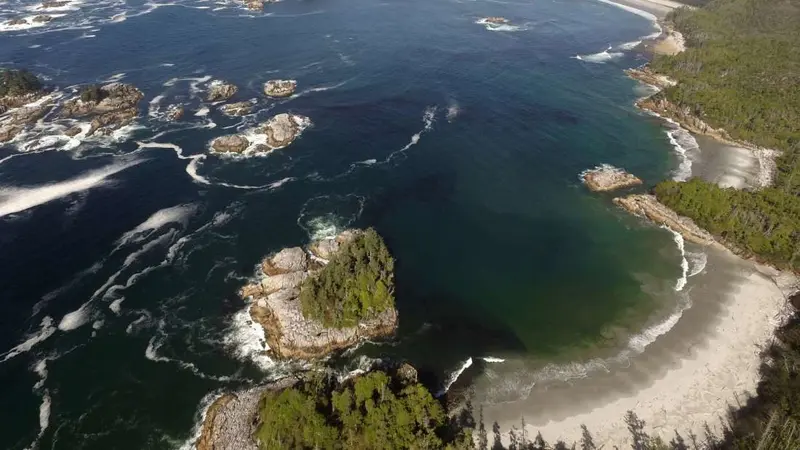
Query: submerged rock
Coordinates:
[608,178]
[17,22]
[282,129]
[237,109]
[221,91]
[175,112]
[53,4]
[280,88]
[230,144]
[494,20]
[277,307]
[43,18]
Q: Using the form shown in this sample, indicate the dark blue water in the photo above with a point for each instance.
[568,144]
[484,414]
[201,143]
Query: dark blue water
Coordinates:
[462,146]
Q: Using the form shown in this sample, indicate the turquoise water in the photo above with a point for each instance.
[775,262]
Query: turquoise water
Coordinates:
[461,145]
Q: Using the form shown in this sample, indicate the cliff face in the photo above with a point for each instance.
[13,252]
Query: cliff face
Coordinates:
[277,308]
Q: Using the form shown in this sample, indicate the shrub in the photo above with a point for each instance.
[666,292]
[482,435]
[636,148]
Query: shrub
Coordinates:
[18,82]
[93,93]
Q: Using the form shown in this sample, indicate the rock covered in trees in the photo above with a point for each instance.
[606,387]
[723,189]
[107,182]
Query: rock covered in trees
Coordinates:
[280,88]
[605,178]
[220,91]
[110,106]
[283,129]
[236,109]
[22,102]
[292,332]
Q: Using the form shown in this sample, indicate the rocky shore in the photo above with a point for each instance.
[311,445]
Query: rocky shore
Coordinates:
[231,419]
[605,178]
[113,106]
[275,304]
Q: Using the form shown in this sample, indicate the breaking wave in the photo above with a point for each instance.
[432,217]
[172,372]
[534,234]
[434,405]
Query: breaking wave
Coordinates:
[454,376]
[599,58]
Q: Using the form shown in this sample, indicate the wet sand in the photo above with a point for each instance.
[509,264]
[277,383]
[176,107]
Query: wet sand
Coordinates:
[684,379]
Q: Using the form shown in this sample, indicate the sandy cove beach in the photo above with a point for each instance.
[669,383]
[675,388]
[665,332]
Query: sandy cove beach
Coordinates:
[707,361]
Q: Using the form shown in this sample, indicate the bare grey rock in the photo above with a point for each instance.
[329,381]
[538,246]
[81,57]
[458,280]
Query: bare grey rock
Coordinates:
[17,21]
[326,248]
[53,4]
[292,259]
[284,128]
[42,18]
[280,88]
[230,144]
[608,178]
[286,281]
[648,206]
[237,109]
[221,91]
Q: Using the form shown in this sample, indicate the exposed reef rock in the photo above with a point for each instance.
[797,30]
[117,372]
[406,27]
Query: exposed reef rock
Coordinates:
[230,144]
[277,307]
[110,107]
[608,178]
[53,4]
[175,112]
[236,109]
[647,76]
[20,111]
[284,128]
[647,206]
[220,91]
[17,22]
[495,20]
[280,88]
[43,18]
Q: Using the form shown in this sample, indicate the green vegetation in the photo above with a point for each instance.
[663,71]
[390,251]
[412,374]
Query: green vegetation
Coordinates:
[741,72]
[18,82]
[372,412]
[93,93]
[765,223]
[355,285]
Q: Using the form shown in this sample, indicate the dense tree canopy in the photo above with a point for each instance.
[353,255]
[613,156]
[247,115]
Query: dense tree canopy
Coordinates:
[374,411]
[356,284]
[18,82]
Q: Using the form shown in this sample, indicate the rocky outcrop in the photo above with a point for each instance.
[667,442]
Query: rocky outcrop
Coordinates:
[495,20]
[19,112]
[230,144]
[647,76]
[220,91]
[236,109]
[282,129]
[117,107]
[280,88]
[53,4]
[608,178]
[42,19]
[276,305]
[648,206]
[175,113]
[231,420]
[17,22]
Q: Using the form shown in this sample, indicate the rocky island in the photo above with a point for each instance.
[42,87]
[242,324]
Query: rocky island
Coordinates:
[605,178]
[220,91]
[110,107]
[277,132]
[236,109]
[21,102]
[495,20]
[316,301]
[280,88]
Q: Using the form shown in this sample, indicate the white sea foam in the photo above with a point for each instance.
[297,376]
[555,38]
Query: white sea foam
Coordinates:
[46,329]
[492,359]
[202,411]
[75,319]
[247,340]
[683,142]
[179,214]
[16,199]
[454,376]
[116,305]
[151,353]
[678,238]
[72,283]
[428,118]
[639,342]
[649,16]
[599,58]
[362,365]
[697,262]
[501,26]
[453,110]
[191,168]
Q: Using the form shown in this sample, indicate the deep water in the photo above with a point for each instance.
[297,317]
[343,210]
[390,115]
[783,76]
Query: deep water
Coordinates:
[461,145]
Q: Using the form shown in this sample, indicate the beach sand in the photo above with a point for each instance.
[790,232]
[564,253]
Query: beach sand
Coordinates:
[706,360]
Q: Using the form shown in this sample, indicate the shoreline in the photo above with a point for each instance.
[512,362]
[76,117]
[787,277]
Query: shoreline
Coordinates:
[708,359]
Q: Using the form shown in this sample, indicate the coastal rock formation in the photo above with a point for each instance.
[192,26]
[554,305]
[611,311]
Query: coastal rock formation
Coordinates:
[111,106]
[220,91]
[16,22]
[19,112]
[231,420]
[495,20]
[608,178]
[230,144]
[43,18]
[236,109]
[647,76]
[53,4]
[282,129]
[280,88]
[277,307]
[647,206]
[175,112]
[659,105]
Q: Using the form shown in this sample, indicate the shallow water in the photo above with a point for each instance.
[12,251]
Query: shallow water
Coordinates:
[462,145]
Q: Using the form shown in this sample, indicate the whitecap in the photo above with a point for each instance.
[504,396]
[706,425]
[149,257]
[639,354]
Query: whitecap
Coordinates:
[46,329]
[454,376]
[678,238]
[16,199]
[75,319]
[179,214]
[683,142]
[599,58]
[492,359]
[639,342]
[247,340]
[116,305]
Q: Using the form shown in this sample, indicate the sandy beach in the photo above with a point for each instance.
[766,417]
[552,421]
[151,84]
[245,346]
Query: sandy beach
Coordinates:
[705,359]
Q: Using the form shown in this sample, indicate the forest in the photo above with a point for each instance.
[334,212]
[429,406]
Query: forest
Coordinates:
[355,285]
[741,72]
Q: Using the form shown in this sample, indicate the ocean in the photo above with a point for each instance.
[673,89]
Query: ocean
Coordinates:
[460,142]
